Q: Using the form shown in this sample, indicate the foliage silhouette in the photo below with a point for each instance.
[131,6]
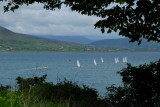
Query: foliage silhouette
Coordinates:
[141,86]
[4,88]
[63,91]
[30,82]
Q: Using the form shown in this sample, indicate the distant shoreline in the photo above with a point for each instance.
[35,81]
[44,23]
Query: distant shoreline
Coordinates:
[90,51]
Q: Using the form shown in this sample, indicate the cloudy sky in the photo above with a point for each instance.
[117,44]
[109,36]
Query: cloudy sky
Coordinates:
[35,20]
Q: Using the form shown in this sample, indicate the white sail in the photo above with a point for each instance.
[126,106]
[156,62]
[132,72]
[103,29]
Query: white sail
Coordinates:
[78,64]
[95,62]
[125,59]
[116,60]
[102,60]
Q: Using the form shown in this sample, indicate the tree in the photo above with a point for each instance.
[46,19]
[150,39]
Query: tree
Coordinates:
[135,19]
[141,86]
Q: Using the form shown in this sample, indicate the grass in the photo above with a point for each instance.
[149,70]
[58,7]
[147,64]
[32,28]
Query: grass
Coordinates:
[23,99]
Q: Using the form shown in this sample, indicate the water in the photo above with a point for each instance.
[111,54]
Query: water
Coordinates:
[63,65]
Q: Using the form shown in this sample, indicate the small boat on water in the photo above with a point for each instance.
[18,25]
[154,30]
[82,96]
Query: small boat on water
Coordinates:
[116,60]
[95,63]
[124,59]
[78,64]
[102,60]
[38,68]
[46,66]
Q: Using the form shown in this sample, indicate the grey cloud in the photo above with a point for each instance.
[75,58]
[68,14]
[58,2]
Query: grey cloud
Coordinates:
[35,20]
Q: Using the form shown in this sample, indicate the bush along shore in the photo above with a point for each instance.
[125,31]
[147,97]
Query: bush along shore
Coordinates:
[35,92]
[140,89]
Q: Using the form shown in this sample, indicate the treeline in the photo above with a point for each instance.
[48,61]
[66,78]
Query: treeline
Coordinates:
[141,88]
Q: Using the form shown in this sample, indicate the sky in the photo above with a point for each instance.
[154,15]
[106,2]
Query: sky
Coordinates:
[35,20]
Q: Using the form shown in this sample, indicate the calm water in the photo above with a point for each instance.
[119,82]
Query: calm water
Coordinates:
[63,65]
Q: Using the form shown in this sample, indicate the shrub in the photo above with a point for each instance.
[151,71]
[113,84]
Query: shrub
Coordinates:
[4,88]
[30,82]
[141,86]
[68,91]
[65,91]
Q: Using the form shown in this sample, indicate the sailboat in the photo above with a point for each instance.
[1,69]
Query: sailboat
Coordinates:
[78,64]
[124,59]
[102,60]
[45,66]
[95,62]
[116,60]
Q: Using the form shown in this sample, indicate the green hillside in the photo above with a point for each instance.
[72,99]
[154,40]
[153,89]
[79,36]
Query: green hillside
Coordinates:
[15,42]
[124,44]
[10,41]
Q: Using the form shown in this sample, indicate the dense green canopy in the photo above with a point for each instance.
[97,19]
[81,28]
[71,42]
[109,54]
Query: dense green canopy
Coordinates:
[135,19]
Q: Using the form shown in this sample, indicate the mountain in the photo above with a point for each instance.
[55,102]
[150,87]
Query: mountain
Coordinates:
[11,41]
[124,43]
[75,39]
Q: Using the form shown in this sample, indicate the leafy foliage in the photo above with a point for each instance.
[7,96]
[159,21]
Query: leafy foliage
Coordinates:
[119,97]
[4,88]
[135,19]
[22,99]
[141,86]
[15,4]
[63,91]
[30,82]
